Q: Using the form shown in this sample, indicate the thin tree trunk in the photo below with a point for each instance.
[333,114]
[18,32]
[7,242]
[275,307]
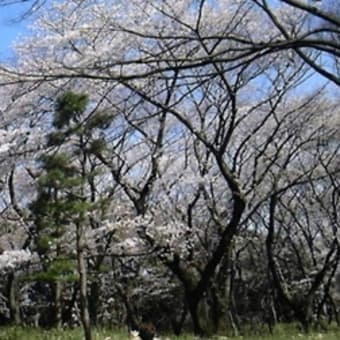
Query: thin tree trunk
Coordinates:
[84,305]
[13,304]
[57,304]
[93,301]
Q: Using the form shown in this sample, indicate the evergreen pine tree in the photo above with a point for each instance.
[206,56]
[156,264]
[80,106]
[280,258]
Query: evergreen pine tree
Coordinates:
[62,207]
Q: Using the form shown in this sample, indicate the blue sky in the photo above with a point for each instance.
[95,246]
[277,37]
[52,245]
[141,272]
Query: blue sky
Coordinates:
[10,29]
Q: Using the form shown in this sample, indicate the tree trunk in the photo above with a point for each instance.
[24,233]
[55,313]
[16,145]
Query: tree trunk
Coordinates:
[177,325]
[67,313]
[57,304]
[93,301]
[198,312]
[193,309]
[13,304]
[84,306]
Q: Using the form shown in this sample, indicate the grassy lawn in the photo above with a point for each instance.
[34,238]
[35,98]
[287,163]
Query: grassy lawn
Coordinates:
[281,333]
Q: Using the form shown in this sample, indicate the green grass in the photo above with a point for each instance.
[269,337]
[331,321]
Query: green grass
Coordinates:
[26,333]
[281,333]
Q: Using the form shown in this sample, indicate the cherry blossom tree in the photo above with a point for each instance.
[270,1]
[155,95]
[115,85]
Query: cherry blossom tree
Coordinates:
[214,127]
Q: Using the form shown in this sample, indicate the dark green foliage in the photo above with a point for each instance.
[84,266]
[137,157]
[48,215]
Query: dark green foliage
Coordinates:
[59,161]
[69,106]
[100,121]
[43,244]
[61,208]
[59,269]
[59,203]
[97,146]
[56,138]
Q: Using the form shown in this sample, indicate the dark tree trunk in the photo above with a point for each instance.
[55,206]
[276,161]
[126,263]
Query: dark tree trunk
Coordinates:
[67,313]
[13,304]
[177,325]
[82,270]
[93,301]
[193,309]
[57,289]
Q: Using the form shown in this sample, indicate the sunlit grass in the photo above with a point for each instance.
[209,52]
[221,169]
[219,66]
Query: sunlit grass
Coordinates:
[280,333]
[25,333]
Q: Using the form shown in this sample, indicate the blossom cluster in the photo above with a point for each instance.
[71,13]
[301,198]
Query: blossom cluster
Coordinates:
[11,259]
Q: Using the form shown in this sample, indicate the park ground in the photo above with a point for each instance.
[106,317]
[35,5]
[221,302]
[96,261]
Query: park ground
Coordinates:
[280,333]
